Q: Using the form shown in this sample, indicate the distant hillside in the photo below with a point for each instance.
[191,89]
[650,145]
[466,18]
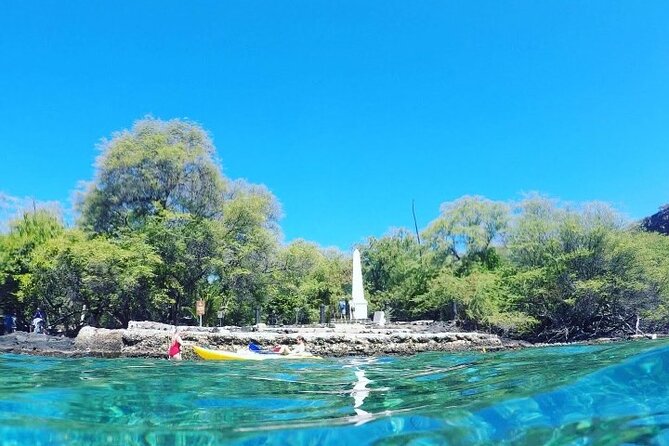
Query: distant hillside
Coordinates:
[658,222]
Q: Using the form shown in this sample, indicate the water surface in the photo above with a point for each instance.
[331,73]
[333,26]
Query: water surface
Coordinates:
[577,395]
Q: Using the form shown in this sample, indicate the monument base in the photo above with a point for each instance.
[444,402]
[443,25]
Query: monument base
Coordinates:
[359,311]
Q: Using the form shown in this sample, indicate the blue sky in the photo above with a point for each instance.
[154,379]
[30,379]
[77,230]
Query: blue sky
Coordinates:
[348,110]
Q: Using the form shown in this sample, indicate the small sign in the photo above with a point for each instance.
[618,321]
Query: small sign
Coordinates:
[199,308]
[220,314]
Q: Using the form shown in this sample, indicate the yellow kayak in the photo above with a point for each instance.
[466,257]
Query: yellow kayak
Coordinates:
[245,355]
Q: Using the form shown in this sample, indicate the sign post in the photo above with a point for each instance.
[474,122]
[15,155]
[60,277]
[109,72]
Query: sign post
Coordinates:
[199,309]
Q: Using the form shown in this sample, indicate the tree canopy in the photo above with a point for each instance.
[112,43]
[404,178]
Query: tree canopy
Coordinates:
[160,227]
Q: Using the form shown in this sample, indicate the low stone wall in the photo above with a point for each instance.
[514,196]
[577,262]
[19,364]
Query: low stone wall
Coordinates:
[143,343]
[151,340]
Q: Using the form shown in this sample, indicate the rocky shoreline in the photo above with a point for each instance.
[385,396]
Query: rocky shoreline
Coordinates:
[151,340]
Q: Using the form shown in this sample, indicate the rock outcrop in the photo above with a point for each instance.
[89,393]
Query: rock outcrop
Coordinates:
[151,340]
[99,342]
[33,343]
[658,222]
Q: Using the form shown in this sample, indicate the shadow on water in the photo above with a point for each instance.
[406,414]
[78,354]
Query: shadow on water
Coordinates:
[604,394]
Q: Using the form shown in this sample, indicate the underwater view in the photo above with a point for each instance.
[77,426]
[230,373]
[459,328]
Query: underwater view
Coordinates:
[596,395]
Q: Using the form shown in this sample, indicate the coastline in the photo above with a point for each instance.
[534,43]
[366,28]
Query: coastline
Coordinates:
[144,339]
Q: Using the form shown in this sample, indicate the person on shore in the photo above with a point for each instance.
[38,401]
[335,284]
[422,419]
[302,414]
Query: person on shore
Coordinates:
[174,352]
[10,323]
[300,348]
[39,321]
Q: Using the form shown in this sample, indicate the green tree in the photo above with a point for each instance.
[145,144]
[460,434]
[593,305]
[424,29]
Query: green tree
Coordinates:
[188,247]
[295,265]
[155,166]
[638,280]
[163,181]
[394,272]
[581,272]
[461,242]
[248,245]
[327,283]
[26,234]
[484,300]
[465,231]
[95,281]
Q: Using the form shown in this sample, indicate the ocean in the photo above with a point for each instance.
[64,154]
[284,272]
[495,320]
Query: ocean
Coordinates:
[608,394]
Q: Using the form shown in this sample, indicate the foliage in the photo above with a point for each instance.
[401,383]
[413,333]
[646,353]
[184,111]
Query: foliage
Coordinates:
[394,272]
[26,234]
[160,227]
[307,277]
[156,166]
[95,281]
[247,248]
[465,231]
[580,272]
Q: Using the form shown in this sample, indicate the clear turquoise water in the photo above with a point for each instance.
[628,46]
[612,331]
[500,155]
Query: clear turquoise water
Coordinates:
[577,395]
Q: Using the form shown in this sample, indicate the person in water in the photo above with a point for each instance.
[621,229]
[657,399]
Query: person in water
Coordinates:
[174,352]
[298,349]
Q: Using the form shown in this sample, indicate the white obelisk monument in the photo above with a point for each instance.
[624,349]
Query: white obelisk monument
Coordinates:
[358,303]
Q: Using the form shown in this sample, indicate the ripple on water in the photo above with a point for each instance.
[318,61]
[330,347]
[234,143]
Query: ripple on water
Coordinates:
[603,394]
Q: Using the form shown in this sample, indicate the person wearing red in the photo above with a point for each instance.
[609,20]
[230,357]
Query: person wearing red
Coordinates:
[174,352]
